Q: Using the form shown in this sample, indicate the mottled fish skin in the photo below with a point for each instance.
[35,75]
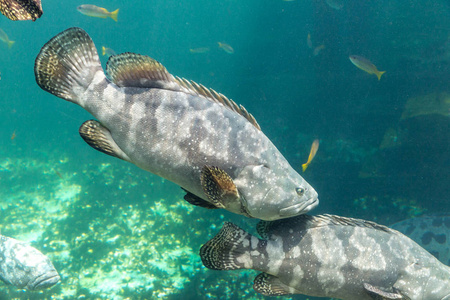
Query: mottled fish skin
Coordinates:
[21,9]
[24,266]
[330,256]
[430,232]
[174,133]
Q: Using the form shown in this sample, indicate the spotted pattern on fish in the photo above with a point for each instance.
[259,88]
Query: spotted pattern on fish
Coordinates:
[173,128]
[330,256]
[24,266]
[431,232]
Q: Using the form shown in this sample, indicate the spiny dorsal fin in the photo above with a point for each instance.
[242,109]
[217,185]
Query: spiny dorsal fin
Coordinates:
[303,222]
[135,70]
[194,88]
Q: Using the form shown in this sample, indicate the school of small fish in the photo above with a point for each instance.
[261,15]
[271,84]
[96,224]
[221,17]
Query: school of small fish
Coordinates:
[217,153]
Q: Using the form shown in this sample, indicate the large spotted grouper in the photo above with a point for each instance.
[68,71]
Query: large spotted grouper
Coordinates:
[24,266]
[179,130]
[330,256]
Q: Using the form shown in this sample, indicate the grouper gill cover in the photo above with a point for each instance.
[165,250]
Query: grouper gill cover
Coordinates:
[177,129]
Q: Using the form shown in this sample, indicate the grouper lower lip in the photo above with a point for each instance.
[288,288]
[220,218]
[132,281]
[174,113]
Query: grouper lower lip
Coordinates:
[45,281]
[299,208]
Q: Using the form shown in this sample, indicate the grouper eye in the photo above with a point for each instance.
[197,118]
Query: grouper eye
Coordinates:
[300,191]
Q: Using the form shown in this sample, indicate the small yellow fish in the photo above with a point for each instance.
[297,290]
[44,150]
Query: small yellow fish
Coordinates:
[314,148]
[318,49]
[13,136]
[107,51]
[366,65]
[225,47]
[309,42]
[199,50]
[98,12]
[4,38]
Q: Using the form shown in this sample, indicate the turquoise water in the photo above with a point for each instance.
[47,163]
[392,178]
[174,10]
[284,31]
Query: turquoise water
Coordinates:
[114,231]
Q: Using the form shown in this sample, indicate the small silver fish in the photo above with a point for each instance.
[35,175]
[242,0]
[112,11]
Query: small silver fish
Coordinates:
[330,256]
[25,267]
[430,232]
[177,129]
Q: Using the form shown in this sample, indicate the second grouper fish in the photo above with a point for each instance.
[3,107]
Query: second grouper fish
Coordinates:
[177,129]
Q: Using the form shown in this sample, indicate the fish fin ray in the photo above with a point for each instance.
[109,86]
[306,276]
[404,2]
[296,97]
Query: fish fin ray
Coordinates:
[270,285]
[23,10]
[221,251]
[98,137]
[377,293]
[218,186]
[379,73]
[114,14]
[141,71]
[197,201]
[267,228]
[67,62]
[194,88]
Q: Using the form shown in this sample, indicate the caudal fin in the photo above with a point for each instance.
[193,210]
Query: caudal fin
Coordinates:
[10,44]
[114,14]
[67,64]
[222,251]
[379,73]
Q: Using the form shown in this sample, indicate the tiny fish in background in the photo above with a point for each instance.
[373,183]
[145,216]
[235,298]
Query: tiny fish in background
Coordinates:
[366,65]
[24,266]
[318,49]
[13,136]
[21,9]
[225,47]
[309,42]
[312,153]
[98,12]
[4,38]
[335,4]
[199,50]
[107,51]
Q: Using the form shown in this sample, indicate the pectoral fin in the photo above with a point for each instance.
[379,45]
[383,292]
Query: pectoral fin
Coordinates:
[218,186]
[377,293]
[194,200]
[98,137]
[270,285]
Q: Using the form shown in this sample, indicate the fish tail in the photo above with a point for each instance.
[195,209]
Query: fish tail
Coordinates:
[67,64]
[304,166]
[103,50]
[222,251]
[114,14]
[379,73]
[10,44]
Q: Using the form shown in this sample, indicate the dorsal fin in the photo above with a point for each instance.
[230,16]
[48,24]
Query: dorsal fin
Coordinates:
[303,222]
[194,88]
[135,70]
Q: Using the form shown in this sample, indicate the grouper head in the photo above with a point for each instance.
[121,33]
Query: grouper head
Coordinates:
[269,195]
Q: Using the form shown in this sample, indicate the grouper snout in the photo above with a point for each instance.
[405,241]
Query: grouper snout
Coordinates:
[44,281]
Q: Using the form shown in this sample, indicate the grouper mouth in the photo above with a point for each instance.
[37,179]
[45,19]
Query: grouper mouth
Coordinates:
[299,208]
[44,281]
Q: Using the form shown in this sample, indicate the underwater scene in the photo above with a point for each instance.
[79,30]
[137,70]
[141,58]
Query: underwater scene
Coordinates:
[347,107]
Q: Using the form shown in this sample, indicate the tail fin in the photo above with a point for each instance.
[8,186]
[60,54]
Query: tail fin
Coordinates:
[67,64]
[10,44]
[379,73]
[222,251]
[114,14]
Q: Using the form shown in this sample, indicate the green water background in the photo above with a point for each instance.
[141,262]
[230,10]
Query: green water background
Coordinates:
[295,96]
